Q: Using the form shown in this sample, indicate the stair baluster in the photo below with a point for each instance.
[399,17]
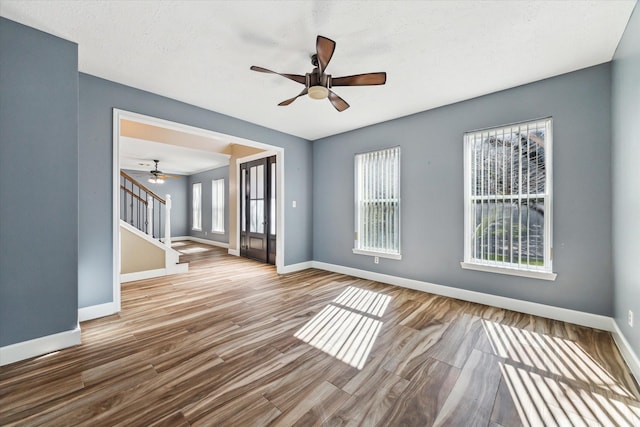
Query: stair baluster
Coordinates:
[144,209]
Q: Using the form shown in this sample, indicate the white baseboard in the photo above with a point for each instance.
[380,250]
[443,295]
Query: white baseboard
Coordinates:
[39,346]
[563,314]
[178,268]
[234,252]
[295,267]
[625,349]
[95,311]
[141,275]
[159,272]
[200,240]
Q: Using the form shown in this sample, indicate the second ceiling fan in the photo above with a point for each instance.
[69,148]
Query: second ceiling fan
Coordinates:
[157,176]
[318,84]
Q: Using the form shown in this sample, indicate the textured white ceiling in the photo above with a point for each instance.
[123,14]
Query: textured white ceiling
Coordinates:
[138,154]
[434,52]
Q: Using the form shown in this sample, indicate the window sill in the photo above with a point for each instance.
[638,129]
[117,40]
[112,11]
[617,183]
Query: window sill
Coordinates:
[378,254]
[196,229]
[217,232]
[543,275]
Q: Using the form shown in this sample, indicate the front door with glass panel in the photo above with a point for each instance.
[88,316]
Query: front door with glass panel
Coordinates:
[258,210]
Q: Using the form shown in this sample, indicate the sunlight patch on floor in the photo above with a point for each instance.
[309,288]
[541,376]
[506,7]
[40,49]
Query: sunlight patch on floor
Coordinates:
[193,250]
[348,326]
[553,381]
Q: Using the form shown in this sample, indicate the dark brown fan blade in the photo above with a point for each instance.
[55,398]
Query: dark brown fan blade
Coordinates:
[290,100]
[324,48]
[360,80]
[338,102]
[295,77]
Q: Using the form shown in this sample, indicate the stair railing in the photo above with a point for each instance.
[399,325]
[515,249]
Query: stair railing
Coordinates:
[144,209]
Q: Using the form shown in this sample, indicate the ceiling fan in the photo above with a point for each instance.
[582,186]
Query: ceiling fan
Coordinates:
[157,176]
[318,84]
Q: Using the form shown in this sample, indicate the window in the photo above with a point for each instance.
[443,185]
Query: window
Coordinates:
[508,199]
[377,203]
[217,205]
[197,206]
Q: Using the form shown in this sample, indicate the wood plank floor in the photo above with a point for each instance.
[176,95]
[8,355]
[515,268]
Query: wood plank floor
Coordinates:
[232,343]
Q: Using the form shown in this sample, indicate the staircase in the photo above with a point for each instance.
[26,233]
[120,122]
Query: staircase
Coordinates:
[145,233]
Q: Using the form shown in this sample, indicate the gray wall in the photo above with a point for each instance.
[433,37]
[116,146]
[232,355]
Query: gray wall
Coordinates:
[626,180]
[39,130]
[38,184]
[205,178]
[98,97]
[432,191]
[177,188]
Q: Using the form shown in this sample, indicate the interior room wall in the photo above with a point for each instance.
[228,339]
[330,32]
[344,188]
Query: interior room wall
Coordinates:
[38,184]
[432,191]
[205,178]
[138,254]
[626,180]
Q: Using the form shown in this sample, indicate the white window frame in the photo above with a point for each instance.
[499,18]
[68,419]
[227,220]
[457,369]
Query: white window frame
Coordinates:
[196,205]
[359,246]
[545,271]
[217,206]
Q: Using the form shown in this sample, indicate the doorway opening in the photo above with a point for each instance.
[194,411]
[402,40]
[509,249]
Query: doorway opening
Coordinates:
[189,137]
[258,220]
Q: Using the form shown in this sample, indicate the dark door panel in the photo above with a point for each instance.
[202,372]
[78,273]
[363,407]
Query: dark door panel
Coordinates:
[257,213]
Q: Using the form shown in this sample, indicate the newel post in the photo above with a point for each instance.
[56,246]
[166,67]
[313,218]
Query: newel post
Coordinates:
[167,221]
[150,215]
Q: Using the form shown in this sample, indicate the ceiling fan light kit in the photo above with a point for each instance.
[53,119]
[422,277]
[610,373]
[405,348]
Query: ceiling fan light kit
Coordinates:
[318,92]
[157,176]
[318,84]
[155,180]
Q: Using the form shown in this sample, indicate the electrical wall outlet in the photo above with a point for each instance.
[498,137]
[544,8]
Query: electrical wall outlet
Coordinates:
[630,318]
[376,260]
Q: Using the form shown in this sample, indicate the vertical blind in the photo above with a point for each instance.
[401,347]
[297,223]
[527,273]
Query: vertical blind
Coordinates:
[508,196]
[377,176]
[217,205]
[197,206]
